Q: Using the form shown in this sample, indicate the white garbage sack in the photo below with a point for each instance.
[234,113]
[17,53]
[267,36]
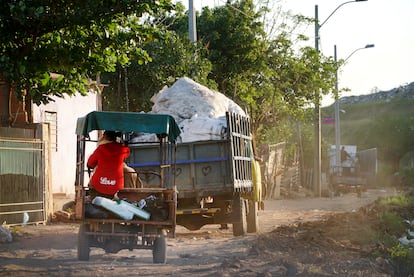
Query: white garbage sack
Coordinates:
[199,111]
[186,98]
[203,128]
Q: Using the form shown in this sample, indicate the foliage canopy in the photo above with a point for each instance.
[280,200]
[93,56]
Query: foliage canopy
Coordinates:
[74,38]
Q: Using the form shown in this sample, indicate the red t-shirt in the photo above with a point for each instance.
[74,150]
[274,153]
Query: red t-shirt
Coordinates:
[108,159]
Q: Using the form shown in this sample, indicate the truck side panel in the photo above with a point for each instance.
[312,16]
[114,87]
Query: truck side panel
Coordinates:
[202,168]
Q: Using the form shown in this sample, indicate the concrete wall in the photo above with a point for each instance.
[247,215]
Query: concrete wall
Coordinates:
[63,157]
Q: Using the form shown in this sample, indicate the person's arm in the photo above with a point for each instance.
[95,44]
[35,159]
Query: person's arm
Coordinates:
[92,161]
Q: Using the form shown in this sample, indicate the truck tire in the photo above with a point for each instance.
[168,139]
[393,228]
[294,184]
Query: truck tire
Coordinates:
[252,217]
[159,250]
[83,243]
[240,228]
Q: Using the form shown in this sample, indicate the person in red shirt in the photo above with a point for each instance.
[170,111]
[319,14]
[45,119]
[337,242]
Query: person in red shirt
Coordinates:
[108,162]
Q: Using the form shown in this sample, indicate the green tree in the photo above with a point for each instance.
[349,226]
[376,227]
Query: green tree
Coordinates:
[172,57]
[265,72]
[234,36]
[75,39]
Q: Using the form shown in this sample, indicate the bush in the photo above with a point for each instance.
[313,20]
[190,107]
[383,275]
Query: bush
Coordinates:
[407,177]
[403,258]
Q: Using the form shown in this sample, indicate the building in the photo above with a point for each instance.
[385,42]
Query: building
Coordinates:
[38,152]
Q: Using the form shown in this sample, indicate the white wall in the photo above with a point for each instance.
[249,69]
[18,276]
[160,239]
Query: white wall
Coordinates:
[63,160]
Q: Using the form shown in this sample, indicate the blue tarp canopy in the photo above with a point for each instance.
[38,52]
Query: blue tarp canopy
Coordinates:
[125,122]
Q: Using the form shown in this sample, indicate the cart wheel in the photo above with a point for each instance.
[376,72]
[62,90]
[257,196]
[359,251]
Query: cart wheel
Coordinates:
[83,243]
[159,250]
[252,218]
[240,228]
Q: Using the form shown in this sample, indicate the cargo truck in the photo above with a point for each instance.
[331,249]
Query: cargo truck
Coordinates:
[355,173]
[217,181]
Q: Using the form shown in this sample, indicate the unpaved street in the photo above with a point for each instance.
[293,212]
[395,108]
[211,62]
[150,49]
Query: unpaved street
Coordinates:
[51,250]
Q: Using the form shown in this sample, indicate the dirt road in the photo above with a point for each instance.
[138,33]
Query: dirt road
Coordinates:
[51,250]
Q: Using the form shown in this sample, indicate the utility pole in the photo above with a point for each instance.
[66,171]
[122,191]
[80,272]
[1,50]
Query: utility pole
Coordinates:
[317,109]
[192,30]
[317,177]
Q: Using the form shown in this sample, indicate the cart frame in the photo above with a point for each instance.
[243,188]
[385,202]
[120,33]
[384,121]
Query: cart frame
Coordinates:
[113,234]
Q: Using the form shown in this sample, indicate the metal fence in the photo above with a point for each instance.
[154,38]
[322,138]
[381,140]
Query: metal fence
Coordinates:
[22,181]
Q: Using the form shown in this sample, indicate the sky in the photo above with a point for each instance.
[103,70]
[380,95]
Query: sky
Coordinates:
[388,24]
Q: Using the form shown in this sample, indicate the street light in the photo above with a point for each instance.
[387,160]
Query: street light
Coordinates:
[317,112]
[365,47]
[337,124]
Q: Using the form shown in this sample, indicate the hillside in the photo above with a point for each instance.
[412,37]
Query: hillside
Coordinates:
[383,120]
[402,92]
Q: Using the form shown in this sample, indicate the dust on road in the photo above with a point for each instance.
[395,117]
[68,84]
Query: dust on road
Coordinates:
[50,250]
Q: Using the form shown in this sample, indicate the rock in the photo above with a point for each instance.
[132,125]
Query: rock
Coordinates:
[5,234]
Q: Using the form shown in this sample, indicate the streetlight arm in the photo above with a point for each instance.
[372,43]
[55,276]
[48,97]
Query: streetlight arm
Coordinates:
[366,46]
[338,8]
[320,25]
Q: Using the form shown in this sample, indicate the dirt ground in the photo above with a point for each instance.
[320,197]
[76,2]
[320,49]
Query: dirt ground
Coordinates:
[298,237]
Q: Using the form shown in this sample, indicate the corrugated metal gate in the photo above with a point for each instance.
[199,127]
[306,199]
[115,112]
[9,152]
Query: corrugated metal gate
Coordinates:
[22,181]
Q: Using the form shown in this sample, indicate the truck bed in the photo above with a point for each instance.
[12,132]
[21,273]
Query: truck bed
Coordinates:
[202,167]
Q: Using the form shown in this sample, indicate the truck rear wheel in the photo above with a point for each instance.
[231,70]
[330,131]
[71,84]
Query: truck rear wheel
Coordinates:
[159,250]
[252,218]
[83,243]
[240,228]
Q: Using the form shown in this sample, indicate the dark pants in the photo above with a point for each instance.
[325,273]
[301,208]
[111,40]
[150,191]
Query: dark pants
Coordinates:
[93,193]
